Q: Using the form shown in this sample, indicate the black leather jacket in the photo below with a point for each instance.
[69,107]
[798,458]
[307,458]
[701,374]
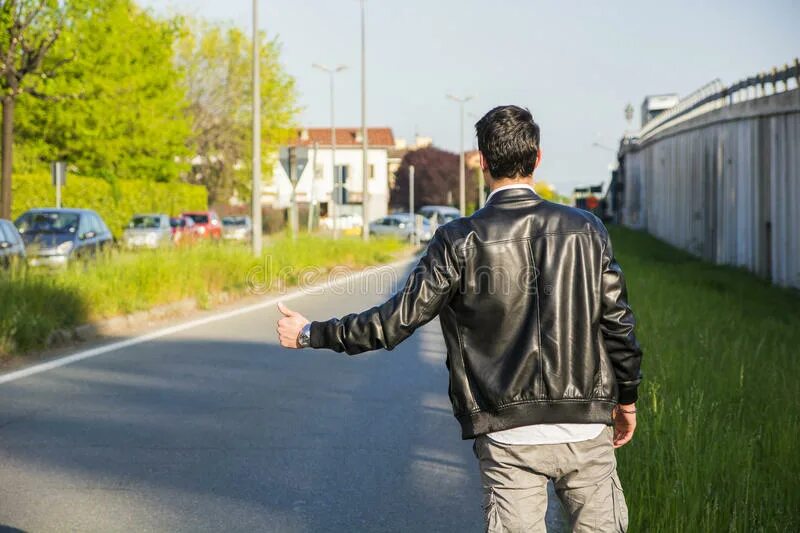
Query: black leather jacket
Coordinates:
[533,309]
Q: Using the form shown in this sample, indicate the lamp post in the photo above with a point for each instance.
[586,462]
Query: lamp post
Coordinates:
[602,147]
[256,185]
[364,142]
[336,178]
[461,193]
[481,184]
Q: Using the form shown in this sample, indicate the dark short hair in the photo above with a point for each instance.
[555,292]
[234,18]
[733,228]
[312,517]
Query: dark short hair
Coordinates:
[508,138]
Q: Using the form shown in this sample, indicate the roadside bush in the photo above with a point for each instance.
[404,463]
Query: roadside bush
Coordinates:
[116,202]
[37,302]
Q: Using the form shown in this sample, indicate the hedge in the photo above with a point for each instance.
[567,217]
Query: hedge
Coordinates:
[115,202]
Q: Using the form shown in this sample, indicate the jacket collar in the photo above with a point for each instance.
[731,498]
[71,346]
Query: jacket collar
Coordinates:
[512,193]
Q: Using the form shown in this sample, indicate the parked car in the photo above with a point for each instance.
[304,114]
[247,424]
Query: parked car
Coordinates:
[439,214]
[55,236]
[400,225]
[344,221]
[237,228]
[147,231]
[12,249]
[206,224]
[182,230]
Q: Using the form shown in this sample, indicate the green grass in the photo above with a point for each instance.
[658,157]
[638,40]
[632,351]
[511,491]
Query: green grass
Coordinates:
[719,409]
[36,302]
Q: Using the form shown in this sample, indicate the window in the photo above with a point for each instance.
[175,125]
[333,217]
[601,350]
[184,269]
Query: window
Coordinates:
[372,171]
[48,222]
[5,233]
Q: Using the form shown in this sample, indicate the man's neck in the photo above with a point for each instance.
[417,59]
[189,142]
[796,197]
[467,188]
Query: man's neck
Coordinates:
[504,182]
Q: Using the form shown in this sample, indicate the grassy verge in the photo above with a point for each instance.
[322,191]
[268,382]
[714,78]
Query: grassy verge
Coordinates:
[37,302]
[717,446]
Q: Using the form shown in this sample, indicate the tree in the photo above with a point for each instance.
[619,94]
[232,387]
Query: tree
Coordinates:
[435,175]
[216,62]
[118,108]
[28,31]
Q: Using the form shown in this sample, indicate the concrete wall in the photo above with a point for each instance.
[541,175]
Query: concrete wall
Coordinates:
[724,185]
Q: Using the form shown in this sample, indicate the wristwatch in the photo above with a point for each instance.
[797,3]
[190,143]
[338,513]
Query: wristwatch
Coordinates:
[304,338]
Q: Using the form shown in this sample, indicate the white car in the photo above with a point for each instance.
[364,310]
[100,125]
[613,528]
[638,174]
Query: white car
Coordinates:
[401,225]
[346,221]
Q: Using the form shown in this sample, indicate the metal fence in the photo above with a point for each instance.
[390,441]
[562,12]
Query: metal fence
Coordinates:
[719,175]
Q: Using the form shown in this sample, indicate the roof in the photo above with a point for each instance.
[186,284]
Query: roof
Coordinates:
[345,137]
[59,210]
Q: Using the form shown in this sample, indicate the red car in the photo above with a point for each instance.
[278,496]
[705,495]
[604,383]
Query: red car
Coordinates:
[206,224]
[182,230]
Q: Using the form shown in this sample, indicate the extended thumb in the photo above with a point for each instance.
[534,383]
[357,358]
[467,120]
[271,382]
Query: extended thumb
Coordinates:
[285,310]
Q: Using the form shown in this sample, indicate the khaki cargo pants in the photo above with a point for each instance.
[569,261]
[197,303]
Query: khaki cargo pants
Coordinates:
[584,474]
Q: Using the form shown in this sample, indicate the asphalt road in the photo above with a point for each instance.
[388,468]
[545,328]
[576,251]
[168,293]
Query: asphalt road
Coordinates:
[217,428]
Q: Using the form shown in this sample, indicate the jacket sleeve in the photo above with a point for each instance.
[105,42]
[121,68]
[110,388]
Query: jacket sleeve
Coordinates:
[426,290]
[617,325]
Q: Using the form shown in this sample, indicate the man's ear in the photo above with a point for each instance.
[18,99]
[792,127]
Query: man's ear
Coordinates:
[484,164]
[538,159]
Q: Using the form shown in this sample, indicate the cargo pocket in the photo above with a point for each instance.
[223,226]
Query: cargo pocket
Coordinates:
[490,513]
[620,507]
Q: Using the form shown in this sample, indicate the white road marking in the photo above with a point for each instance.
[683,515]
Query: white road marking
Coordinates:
[100,350]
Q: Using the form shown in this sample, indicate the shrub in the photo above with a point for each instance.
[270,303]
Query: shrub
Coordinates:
[115,201]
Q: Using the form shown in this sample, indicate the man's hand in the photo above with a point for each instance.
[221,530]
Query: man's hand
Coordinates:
[289,326]
[624,424]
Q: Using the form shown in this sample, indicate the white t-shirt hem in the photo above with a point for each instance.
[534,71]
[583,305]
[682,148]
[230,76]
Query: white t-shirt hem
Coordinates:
[547,434]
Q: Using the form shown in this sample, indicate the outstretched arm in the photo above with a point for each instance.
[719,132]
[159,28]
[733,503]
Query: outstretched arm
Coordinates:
[425,292]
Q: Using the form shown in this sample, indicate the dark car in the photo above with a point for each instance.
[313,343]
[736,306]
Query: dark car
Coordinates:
[54,236]
[206,224]
[11,246]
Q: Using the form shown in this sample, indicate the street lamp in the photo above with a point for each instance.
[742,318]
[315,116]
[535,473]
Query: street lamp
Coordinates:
[602,147]
[461,196]
[336,178]
[481,184]
[256,185]
[364,164]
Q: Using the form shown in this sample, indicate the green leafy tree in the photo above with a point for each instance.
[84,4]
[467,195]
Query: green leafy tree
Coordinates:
[216,62]
[28,32]
[118,108]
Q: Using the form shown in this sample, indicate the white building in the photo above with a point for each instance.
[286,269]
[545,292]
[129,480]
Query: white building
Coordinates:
[316,181]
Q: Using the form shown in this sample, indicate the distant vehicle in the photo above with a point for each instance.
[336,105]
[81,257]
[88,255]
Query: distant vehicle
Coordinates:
[344,221]
[439,214]
[182,230]
[206,224]
[55,236]
[237,228]
[12,249]
[400,225]
[147,231]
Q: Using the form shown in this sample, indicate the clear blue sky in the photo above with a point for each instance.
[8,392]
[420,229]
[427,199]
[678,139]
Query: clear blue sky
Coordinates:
[574,64]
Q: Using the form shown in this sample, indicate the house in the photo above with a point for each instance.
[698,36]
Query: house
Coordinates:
[316,183]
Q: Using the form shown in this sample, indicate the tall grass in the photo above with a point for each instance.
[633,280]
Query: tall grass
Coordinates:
[34,302]
[719,410]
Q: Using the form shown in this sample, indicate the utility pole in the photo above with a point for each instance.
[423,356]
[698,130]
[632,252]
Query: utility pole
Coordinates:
[312,202]
[364,142]
[481,183]
[256,186]
[462,202]
[334,209]
[412,217]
